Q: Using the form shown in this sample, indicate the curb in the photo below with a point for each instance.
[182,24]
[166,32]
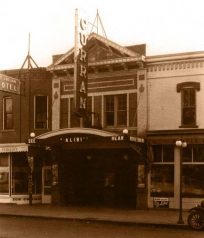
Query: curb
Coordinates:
[104,221]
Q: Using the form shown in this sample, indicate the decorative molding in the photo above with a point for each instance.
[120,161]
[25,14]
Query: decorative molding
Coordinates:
[180,65]
[195,85]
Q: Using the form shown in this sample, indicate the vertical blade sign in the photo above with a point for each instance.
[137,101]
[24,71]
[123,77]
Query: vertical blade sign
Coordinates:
[81,70]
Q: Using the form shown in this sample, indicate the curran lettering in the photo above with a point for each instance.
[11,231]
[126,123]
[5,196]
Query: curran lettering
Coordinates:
[81,68]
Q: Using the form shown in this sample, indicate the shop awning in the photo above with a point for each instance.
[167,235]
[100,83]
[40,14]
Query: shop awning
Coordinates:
[13,147]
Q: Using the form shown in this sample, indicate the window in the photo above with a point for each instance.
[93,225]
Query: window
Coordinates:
[162,180]
[8,113]
[192,170]
[162,172]
[163,153]
[41,112]
[193,180]
[188,106]
[4,174]
[188,103]
[110,110]
[122,110]
[64,113]
[116,110]
[20,173]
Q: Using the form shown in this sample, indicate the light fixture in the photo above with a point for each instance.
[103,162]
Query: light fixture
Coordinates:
[32,134]
[181,145]
[125,131]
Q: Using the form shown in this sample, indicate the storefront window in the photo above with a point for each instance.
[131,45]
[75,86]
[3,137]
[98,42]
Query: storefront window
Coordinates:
[163,153]
[198,153]
[37,176]
[168,153]
[187,154]
[4,174]
[193,180]
[19,173]
[162,180]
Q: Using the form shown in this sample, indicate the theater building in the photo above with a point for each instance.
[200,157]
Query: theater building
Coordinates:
[100,159]
[175,113]
[24,108]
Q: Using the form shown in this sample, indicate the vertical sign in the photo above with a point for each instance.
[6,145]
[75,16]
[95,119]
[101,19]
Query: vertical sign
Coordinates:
[80,65]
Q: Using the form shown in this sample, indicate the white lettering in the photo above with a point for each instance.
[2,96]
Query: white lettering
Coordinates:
[83,55]
[82,88]
[82,103]
[82,71]
[83,24]
[83,39]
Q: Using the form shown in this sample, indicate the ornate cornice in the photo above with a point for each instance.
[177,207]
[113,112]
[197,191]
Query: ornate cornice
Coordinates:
[176,65]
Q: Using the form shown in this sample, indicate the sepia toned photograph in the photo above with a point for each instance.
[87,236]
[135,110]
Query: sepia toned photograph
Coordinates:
[102,119]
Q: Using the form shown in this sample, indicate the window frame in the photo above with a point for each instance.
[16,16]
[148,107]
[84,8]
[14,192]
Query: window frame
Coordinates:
[116,110]
[5,114]
[35,114]
[182,88]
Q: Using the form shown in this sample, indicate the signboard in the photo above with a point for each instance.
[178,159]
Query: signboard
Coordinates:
[81,65]
[9,84]
[161,202]
[10,149]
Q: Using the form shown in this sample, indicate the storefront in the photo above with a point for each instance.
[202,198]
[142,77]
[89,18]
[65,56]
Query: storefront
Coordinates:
[165,170]
[14,171]
[82,166]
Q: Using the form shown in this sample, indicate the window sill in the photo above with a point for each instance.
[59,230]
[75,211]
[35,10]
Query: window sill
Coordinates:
[188,126]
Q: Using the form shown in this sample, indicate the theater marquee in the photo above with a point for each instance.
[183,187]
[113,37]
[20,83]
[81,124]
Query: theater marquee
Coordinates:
[9,84]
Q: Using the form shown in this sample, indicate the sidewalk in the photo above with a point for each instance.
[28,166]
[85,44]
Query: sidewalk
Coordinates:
[159,217]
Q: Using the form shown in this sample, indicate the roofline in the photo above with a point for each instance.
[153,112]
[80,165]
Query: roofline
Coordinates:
[98,63]
[176,56]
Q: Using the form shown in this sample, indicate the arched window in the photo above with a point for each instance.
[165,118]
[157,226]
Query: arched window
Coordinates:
[188,103]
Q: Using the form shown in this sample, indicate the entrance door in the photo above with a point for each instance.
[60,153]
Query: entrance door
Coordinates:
[46,184]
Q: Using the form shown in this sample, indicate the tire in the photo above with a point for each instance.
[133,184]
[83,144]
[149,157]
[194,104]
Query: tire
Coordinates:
[196,220]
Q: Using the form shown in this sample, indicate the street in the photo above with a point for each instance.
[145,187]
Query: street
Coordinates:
[19,227]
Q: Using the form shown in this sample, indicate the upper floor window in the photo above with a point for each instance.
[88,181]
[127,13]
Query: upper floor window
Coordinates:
[116,110]
[188,103]
[7,113]
[41,112]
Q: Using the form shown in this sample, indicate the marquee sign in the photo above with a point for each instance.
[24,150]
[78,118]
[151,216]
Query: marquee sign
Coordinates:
[81,65]
[9,84]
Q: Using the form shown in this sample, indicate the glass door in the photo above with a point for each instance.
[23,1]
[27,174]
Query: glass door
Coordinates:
[46,184]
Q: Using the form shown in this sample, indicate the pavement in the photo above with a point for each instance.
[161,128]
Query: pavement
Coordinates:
[152,217]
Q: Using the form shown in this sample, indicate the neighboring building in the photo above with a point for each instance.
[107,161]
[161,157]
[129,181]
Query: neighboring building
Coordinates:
[176,112]
[25,98]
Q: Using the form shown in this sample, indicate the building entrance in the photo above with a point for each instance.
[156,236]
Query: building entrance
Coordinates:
[98,178]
